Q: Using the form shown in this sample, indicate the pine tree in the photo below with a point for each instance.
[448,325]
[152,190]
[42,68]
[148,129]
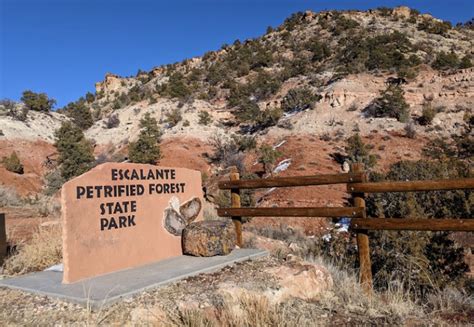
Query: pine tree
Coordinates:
[146,149]
[75,151]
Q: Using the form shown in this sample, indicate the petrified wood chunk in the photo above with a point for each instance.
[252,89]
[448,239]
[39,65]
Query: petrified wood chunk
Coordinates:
[174,222]
[209,238]
[190,209]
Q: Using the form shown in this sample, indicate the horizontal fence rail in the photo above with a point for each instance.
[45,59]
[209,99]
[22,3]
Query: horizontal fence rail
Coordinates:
[292,181]
[292,212]
[357,186]
[412,186]
[431,224]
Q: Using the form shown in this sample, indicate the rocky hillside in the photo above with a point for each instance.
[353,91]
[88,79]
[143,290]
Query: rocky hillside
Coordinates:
[317,74]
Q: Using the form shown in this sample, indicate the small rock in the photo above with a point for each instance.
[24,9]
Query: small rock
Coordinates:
[209,238]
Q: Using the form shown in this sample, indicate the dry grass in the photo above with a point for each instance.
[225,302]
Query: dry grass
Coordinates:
[9,197]
[42,251]
[248,309]
[394,303]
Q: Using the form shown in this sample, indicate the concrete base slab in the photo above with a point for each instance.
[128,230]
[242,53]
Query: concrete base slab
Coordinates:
[106,289]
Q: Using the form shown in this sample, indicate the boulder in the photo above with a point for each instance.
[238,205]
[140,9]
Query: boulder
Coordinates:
[302,280]
[209,238]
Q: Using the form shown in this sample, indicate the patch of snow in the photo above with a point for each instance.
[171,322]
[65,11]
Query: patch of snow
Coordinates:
[327,237]
[343,225]
[270,191]
[59,268]
[279,144]
[282,165]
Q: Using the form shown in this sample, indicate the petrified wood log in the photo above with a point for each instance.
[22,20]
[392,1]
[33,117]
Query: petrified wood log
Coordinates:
[209,238]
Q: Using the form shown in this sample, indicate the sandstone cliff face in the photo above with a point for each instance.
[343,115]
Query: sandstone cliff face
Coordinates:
[110,84]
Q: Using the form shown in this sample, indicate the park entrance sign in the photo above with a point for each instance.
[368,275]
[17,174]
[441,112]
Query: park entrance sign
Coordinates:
[123,215]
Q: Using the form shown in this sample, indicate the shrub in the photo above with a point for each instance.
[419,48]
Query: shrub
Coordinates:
[13,110]
[460,146]
[446,61]
[80,114]
[320,50]
[384,51]
[268,156]
[247,110]
[204,118]
[176,86]
[358,151]
[465,62]
[13,164]
[427,115]
[9,197]
[434,27]
[244,143]
[54,182]
[90,97]
[293,21]
[37,101]
[429,259]
[112,122]
[116,105]
[75,151]
[410,130]
[299,99]
[231,147]
[146,149]
[268,117]
[173,117]
[43,251]
[390,103]
[343,24]
[264,85]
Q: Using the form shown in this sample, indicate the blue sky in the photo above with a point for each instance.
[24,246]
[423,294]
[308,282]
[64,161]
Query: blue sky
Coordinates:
[62,47]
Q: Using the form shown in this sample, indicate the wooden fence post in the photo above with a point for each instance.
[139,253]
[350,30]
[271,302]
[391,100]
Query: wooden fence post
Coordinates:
[362,238]
[235,203]
[3,239]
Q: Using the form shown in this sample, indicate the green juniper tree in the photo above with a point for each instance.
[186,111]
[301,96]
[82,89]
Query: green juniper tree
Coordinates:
[146,149]
[358,151]
[268,156]
[80,114]
[37,101]
[391,103]
[75,151]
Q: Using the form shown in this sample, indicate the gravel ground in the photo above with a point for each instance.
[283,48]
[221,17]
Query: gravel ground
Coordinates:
[190,301]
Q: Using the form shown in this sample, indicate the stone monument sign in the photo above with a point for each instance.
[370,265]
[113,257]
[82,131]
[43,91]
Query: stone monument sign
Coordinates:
[123,215]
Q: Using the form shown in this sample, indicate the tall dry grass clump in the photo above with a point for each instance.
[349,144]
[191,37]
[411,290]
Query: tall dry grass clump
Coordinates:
[42,251]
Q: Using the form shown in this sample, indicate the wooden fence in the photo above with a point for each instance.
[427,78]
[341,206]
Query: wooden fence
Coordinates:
[357,186]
